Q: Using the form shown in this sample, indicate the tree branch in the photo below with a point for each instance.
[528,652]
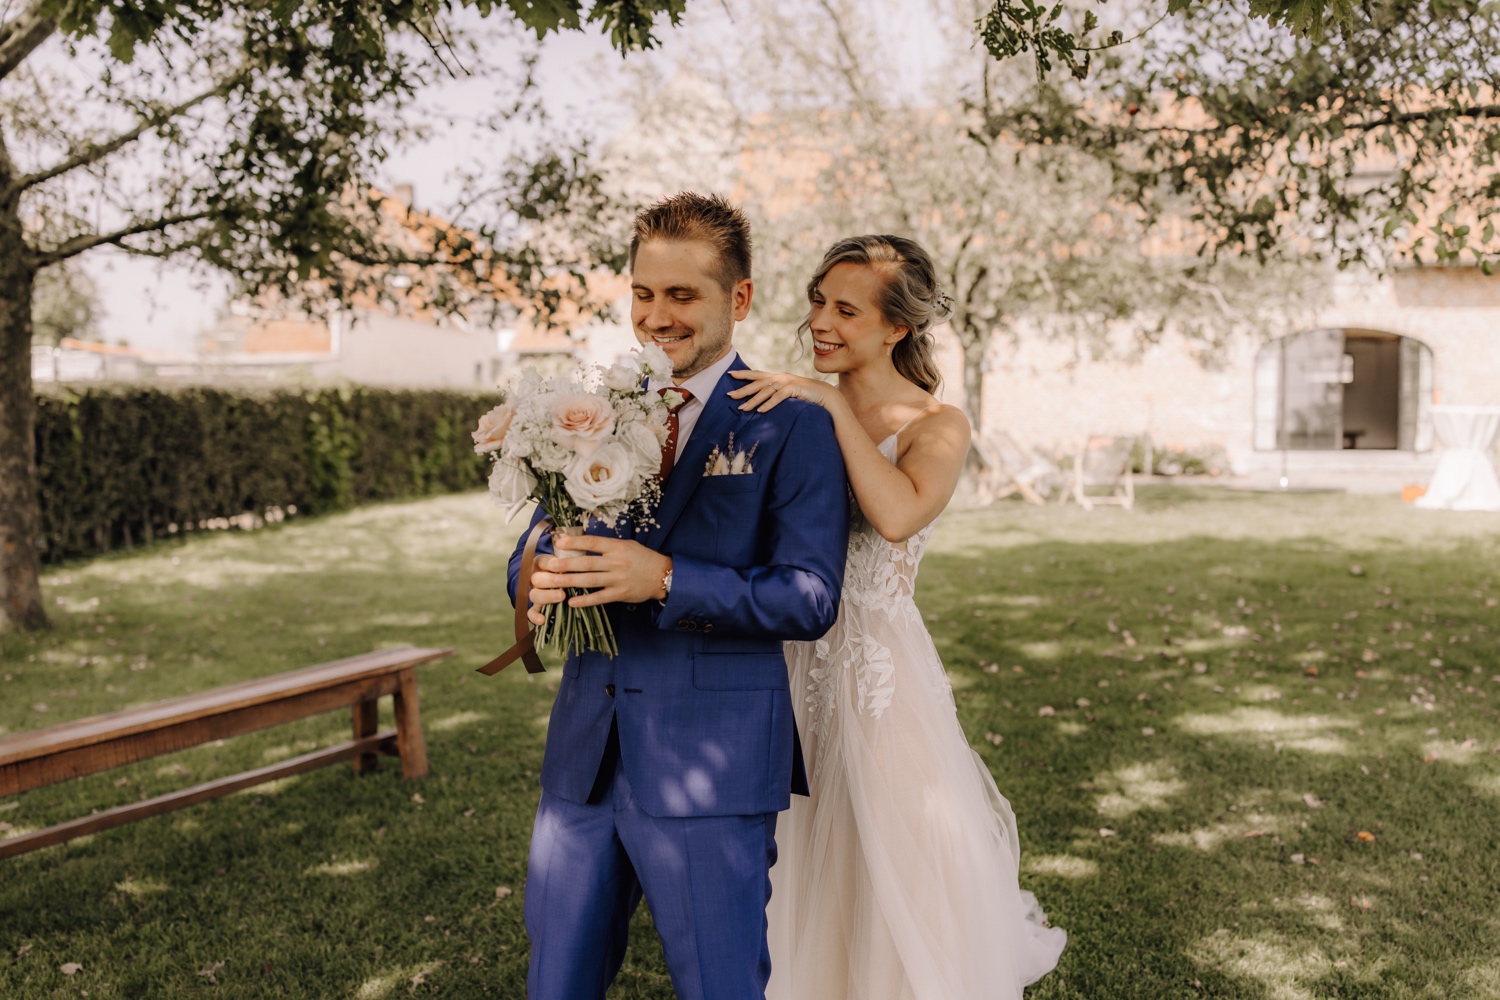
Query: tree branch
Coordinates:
[20,37]
[79,244]
[95,152]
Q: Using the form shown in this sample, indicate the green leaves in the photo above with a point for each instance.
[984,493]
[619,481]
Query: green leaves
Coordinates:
[121,466]
[1376,144]
[544,16]
[1009,29]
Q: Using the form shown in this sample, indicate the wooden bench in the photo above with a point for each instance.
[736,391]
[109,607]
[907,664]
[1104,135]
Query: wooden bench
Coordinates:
[46,756]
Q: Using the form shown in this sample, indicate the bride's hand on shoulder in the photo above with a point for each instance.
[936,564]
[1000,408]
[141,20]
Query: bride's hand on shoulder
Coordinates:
[765,390]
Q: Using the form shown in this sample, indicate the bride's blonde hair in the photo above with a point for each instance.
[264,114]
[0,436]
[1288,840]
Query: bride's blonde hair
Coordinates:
[909,297]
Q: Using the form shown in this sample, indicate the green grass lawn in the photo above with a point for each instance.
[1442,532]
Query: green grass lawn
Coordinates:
[1251,742]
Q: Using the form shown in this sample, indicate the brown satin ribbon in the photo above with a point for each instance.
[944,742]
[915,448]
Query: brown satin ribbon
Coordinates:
[525,647]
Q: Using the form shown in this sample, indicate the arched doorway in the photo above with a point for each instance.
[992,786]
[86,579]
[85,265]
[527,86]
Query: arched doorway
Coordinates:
[1343,389]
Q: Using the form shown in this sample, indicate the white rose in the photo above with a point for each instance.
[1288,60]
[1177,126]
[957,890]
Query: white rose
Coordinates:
[601,477]
[622,378]
[511,482]
[655,363]
[642,441]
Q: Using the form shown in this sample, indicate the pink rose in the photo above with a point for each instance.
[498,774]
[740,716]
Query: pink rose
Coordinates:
[581,421]
[492,429]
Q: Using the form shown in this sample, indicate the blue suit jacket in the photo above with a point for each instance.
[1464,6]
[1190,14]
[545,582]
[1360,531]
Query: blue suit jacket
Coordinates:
[699,689]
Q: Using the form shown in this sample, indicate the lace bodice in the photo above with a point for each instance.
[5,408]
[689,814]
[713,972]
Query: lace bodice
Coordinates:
[877,607]
[878,574]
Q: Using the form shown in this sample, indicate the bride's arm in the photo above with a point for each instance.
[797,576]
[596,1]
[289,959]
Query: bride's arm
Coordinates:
[898,500]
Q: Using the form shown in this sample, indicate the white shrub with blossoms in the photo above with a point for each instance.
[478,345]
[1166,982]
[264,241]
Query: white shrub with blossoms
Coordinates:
[587,447]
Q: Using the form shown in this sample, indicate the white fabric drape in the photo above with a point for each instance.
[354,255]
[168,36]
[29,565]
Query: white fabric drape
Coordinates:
[1465,479]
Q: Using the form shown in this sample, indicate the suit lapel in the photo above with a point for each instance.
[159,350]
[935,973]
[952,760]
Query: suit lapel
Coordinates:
[720,417]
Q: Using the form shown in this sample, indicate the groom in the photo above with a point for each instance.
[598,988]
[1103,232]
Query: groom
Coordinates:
[665,767]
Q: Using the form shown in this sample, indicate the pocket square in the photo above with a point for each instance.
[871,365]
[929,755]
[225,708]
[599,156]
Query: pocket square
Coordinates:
[727,461]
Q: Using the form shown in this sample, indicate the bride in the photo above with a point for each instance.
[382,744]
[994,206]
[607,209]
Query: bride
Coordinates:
[897,877]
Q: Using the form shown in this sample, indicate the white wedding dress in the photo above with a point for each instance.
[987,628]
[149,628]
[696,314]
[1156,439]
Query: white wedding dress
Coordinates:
[897,877]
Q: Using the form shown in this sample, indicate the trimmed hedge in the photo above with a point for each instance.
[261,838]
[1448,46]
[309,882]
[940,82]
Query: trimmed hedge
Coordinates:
[120,466]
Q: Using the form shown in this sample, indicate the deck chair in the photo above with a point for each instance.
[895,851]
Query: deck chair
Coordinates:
[1010,469]
[1104,463]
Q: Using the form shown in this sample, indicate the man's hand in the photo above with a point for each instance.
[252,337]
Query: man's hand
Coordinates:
[620,570]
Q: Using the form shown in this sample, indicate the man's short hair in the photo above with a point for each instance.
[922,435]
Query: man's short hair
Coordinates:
[704,218]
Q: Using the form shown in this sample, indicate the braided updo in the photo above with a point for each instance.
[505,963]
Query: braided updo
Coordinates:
[909,297]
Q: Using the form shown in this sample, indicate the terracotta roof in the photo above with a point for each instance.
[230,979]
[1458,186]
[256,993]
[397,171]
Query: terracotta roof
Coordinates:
[93,347]
[287,336]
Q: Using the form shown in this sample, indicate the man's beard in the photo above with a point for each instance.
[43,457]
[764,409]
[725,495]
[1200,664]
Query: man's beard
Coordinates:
[710,344]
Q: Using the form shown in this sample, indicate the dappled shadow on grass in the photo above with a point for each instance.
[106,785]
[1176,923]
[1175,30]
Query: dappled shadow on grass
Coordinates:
[1221,753]
[324,886]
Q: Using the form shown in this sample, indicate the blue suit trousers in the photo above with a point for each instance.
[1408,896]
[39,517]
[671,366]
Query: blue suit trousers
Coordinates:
[705,879]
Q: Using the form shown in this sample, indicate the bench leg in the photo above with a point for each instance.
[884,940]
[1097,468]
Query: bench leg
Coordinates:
[409,727]
[366,721]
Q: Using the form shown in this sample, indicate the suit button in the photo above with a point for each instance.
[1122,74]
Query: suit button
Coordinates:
[683,623]
[708,626]
[609,689]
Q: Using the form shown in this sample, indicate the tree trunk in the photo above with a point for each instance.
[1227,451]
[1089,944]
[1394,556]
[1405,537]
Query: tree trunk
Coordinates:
[20,512]
[974,344]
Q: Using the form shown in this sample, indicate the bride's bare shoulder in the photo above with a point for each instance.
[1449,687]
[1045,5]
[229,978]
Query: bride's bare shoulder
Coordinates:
[938,422]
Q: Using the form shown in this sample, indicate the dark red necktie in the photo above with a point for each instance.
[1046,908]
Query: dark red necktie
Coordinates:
[676,398]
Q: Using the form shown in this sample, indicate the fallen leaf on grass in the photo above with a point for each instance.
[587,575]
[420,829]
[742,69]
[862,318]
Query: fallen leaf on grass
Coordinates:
[421,977]
[991,668]
[1250,834]
[1365,835]
[1147,731]
[1356,570]
[417,798]
[469,812]
[1429,758]
[1369,655]
[210,971]
[70,968]
[502,891]
[1046,710]
[1106,832]
[1298,859]
[22,951]
[995,738]
[1361,903]
[1312,801]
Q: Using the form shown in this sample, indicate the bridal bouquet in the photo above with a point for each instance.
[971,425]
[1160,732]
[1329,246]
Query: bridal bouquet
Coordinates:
[586,448]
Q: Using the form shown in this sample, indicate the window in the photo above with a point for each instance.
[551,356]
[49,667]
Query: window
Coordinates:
[1343,389]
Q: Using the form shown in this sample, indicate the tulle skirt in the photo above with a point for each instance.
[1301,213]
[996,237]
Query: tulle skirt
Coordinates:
[897,879]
